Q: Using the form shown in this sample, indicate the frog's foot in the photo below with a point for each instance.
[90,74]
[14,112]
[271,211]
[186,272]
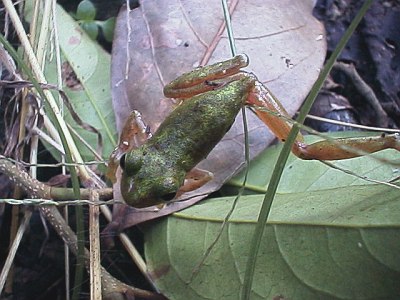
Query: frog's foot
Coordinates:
[396,141]
[347,147]
[194,179]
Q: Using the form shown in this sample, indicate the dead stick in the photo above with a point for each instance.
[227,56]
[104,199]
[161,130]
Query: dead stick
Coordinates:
[364,89]
[112,288]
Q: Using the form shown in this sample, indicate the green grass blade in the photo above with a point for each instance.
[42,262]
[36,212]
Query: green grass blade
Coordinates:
[272,187]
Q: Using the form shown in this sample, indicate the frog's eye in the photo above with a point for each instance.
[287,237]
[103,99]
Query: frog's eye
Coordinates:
[122,162]
[131,162]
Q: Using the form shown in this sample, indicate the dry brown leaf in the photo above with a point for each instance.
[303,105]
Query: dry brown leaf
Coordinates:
[164,39]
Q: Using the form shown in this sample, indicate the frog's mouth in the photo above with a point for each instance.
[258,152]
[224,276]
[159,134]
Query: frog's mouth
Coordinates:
[168,197]
[138,196]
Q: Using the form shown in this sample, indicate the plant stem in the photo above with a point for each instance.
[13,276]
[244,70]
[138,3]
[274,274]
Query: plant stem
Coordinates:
[37,189]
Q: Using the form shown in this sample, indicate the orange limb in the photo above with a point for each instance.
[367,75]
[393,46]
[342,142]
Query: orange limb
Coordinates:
[337,149]
[134,133]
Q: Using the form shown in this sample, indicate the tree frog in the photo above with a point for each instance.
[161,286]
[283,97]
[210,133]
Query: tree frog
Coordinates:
[161,168]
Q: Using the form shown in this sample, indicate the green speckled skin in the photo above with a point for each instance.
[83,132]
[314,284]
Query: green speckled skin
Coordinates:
[155,171]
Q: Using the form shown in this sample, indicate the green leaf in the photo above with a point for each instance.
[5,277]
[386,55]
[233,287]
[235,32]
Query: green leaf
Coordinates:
[91,28]
[86,10]
[317,245]
[329,236]
[90,92]
[314,175]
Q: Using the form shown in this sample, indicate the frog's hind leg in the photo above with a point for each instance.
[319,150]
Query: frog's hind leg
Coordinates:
[274,115]
[202,79]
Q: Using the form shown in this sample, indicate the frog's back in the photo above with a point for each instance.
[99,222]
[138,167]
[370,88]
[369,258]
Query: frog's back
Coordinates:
[195,127]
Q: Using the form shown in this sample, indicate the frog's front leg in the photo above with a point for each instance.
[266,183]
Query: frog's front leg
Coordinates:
[134,133]
[264,102]
[194,179]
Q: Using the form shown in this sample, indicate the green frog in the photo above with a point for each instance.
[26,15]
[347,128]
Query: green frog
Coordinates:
[163,167]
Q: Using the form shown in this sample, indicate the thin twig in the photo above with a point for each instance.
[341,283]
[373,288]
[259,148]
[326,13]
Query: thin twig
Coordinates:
[94,238]
[364,89]
[358,126]
[13,249]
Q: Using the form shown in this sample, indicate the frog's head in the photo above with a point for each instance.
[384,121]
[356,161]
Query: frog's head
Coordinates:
[147,179]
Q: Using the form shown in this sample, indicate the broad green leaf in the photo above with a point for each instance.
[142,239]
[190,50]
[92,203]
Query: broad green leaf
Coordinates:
[91,95]
[334,244]
[329,236]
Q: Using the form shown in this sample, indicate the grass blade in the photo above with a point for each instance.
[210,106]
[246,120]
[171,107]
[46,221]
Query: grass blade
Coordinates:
[272,187]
